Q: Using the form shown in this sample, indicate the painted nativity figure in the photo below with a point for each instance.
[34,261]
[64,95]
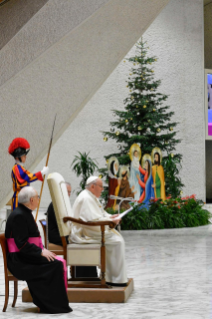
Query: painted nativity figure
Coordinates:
[158,174]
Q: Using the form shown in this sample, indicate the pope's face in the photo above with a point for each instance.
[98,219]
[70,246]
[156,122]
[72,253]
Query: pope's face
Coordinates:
[97,188]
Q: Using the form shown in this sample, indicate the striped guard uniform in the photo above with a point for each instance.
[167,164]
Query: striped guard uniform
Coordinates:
[21,178]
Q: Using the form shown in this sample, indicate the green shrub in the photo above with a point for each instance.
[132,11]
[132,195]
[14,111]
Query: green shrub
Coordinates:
[172,213]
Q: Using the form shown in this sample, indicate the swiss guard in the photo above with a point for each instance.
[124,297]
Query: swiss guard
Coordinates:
[19,149]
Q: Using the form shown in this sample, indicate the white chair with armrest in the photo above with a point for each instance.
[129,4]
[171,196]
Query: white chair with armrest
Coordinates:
[77,254]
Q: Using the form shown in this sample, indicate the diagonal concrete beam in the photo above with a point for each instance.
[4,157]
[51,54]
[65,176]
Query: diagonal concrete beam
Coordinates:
[65,76]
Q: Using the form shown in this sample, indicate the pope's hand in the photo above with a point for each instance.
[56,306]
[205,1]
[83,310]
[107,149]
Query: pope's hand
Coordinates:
[45,170]
[116,221]
[48,254]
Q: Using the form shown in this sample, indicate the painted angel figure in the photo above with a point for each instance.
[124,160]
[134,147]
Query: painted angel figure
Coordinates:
[146,182]
[135,155]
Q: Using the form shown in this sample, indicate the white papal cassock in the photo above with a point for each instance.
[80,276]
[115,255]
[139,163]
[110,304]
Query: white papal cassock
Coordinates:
[88,208]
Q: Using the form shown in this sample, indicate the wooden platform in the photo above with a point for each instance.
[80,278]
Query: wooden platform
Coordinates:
[93,295]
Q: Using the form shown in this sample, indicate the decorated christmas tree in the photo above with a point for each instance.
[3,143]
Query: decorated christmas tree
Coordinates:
[146,121]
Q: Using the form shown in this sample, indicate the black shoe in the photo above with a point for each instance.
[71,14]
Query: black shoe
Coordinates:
[117,285]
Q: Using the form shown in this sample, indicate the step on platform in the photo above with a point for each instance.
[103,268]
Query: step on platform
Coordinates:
[93,295]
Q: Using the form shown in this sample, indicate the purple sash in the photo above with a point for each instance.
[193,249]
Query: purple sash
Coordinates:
[12,248]
[32,240]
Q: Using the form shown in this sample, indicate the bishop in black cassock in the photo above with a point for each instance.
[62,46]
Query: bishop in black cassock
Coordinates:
[29,261]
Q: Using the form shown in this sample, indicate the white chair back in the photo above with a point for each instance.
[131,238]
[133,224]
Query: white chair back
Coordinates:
[61,202]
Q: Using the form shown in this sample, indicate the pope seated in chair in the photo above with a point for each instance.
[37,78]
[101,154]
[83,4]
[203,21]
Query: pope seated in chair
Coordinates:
[88,208]
[54,238]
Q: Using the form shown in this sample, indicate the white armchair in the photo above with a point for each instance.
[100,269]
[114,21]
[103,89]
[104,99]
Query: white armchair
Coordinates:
[77,254]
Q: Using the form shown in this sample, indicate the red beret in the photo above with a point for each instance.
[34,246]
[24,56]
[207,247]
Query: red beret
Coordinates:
[18,142]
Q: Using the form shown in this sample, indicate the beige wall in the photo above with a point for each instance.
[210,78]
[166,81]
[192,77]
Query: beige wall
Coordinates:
[55,64]
[14,14]
[176,38]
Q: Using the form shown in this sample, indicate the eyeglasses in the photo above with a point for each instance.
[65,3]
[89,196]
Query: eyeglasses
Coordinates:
[99,185]
[38,196]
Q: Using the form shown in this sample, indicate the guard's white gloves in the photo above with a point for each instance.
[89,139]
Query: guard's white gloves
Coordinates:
[45,170]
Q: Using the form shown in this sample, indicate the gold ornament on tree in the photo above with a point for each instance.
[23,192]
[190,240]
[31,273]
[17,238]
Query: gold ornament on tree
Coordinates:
[144,106]
[154,110]
[105,139]
[100,176]
[117,133]
[139,128]
[171,129]
[158,129]
[126,121]
[172,155]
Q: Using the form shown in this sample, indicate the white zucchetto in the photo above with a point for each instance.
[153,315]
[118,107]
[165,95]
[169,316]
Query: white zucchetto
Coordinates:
[91,179]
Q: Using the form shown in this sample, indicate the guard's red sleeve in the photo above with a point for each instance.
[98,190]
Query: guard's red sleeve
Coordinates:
[39,176]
